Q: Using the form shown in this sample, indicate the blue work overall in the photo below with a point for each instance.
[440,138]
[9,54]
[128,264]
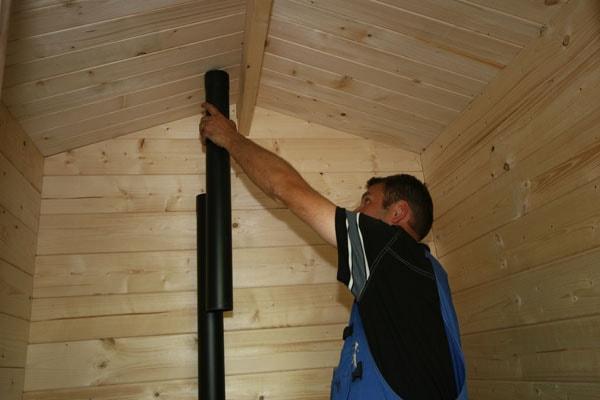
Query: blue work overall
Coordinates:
[357,377]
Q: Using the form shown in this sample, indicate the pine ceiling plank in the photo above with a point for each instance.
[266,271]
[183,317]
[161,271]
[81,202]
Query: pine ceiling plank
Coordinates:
[69,14]
[60,144]
[351,69]
[382,39]
[348,84]
[124,115]
[37,126]
[4,17]
[404,121]
[539,11]
[136,83]
[123,49]
[109,73]
[330,115]
[378,60]
[258,14]
[430,31]
[78,38]
[469,16]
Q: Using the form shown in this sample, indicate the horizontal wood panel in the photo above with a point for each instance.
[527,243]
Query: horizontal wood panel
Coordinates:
[78,38]
[59,144]
[19,196]
[11,383]
[89,317]
[17,242]
[338,117]
[168,156]
[501,390]
[15,291]
[125,360]
[540,295]
[305,384]
[13,341]
[19,149]
[255,308]
[267,124]
[75,234]
[157,193]
[561,351]
[380,38]
[544,235]
[386,80]
[89,274]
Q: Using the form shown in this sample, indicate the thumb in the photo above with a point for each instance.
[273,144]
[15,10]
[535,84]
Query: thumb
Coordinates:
[211,109]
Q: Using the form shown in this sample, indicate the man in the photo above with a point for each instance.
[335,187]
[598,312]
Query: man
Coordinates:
[402,341]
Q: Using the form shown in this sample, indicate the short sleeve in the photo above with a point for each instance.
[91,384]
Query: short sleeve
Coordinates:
[361,241]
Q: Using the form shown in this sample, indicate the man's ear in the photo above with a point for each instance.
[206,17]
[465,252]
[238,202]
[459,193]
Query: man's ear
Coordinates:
[400,212]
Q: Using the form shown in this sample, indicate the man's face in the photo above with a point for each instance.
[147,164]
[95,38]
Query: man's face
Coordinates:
[371,203]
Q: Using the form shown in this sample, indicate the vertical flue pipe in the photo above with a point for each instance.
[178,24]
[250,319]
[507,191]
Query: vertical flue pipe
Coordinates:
[215,286]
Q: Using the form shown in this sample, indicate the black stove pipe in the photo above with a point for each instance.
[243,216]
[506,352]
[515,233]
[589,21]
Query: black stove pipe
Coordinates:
[219,285]
[211,350]
[215,286]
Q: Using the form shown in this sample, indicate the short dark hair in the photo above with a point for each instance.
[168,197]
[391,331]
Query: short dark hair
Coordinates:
[414,192]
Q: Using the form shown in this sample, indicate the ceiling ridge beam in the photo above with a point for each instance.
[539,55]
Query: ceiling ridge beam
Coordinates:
[258,16]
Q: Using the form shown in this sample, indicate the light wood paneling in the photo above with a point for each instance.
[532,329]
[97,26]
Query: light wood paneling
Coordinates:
[501,390]
[562,351]
[304,384]
[20,184]
[125,360]
[168,157]
[20,198]
[258,16]
[12,381]
[120,273]
[116,266]
[77,194]
[19,149]
[63,57]
[16,287]
[13,341]
[517,181]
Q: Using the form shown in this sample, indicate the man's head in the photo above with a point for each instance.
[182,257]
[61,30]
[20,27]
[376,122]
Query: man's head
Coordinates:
[400,200]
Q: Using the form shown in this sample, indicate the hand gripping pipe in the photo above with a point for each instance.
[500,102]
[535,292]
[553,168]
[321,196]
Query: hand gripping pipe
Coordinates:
[215,288]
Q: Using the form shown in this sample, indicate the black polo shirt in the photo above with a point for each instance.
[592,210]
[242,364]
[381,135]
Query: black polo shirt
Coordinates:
[394,285]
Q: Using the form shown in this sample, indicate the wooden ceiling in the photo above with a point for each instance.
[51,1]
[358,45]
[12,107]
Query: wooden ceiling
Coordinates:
[399,71]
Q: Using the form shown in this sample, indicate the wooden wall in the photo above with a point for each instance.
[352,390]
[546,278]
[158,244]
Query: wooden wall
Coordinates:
[114,291]
[21,167]
[516,180]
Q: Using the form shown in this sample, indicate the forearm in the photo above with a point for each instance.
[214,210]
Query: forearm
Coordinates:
[271,173]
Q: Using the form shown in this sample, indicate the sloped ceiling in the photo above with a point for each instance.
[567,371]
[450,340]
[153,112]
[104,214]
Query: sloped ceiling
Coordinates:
[399,71]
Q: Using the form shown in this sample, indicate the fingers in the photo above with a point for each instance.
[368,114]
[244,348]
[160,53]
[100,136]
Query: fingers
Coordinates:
[212,110]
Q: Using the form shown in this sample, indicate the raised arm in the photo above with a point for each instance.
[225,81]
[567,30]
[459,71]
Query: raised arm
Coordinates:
[272,174]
